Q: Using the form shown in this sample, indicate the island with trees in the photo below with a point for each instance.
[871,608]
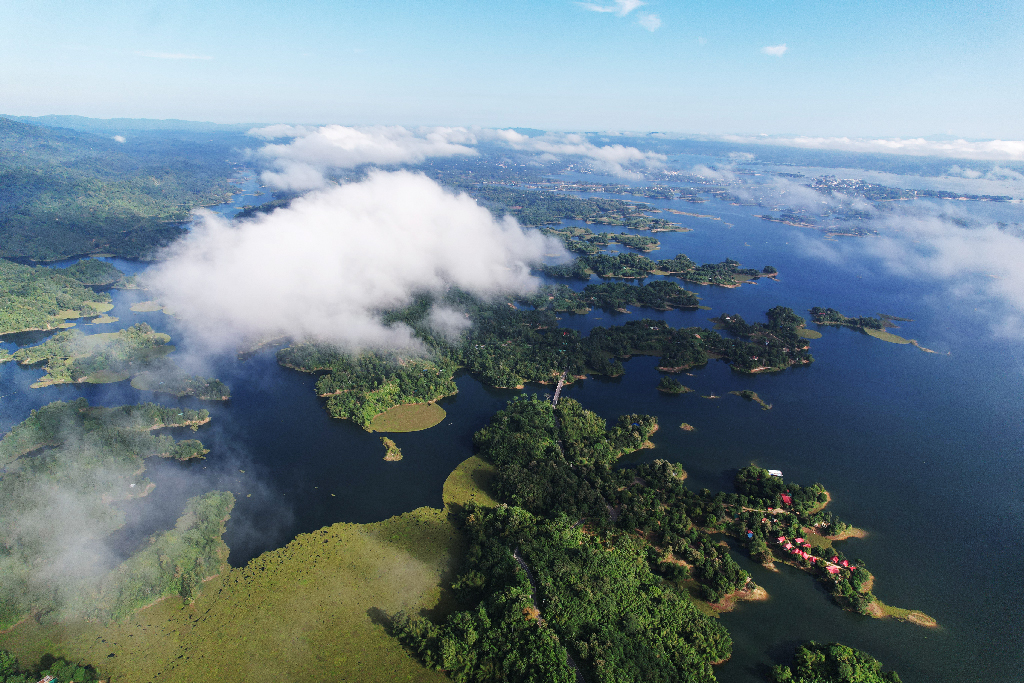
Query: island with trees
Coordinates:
[506,347]
[64,468]
[41,298]
[660,295]
[166,377]
[833,662]
[588,569]
[71,356]
[585,241]
[636,266]
[873,327]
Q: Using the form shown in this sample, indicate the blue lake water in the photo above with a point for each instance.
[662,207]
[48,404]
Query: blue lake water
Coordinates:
[923,450]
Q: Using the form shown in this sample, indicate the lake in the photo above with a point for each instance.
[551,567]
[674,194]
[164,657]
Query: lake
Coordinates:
[923,450]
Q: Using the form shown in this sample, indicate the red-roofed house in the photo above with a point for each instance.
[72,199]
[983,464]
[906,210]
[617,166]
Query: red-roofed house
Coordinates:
[846,563]
[835,559]
[786,499]
[799,540]
[832,570]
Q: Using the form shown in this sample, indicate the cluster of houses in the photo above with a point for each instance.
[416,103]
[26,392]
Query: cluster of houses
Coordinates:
[800,546]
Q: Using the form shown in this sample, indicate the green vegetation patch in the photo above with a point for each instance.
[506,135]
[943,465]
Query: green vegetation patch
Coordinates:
[805,333]
[471,482]
[667,385]
[411,417]
[752,396]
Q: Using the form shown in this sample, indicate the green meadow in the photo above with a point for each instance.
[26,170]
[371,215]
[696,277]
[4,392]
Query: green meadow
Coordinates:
[308,611]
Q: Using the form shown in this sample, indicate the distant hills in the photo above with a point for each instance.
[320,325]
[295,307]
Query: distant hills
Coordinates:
[121,126]
[65,192]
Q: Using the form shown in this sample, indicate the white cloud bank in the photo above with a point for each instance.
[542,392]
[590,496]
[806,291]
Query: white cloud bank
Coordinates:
[775,50]
[612,159]
[301,163]
[331,262]
[989,150]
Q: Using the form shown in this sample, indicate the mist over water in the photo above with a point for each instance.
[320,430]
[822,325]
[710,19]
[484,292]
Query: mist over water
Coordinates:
[922,450]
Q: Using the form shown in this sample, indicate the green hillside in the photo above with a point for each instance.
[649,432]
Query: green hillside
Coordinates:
[65,193]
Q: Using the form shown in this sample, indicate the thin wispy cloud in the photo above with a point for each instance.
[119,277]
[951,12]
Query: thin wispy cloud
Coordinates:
[619,7]
[651,22]
[775,50]
[172,55]
[989,150]
[975,264]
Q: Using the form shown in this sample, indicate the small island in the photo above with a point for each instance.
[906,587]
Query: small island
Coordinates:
[394,453]
[166,377]
[873,327]
[667,385]
[752,396]
[834,662]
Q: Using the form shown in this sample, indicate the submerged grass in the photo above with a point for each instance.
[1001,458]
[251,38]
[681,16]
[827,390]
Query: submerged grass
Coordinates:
[412,417]
[312,610]
[145,307]
[886,336]
[804,333]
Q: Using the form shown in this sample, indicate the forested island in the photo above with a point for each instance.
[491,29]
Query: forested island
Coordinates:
[507,347]
[659,295]
[66,193]
[166,377]
[71,356]
[40,298]
[834,662]
[589,569]
[636,266]
[830,316]
[95,456]
[873,327]
[585,241]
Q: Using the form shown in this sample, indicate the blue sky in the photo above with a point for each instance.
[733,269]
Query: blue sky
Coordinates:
[864,68]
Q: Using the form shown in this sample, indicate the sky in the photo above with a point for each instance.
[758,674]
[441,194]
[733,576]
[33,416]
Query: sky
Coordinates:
[870,68]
